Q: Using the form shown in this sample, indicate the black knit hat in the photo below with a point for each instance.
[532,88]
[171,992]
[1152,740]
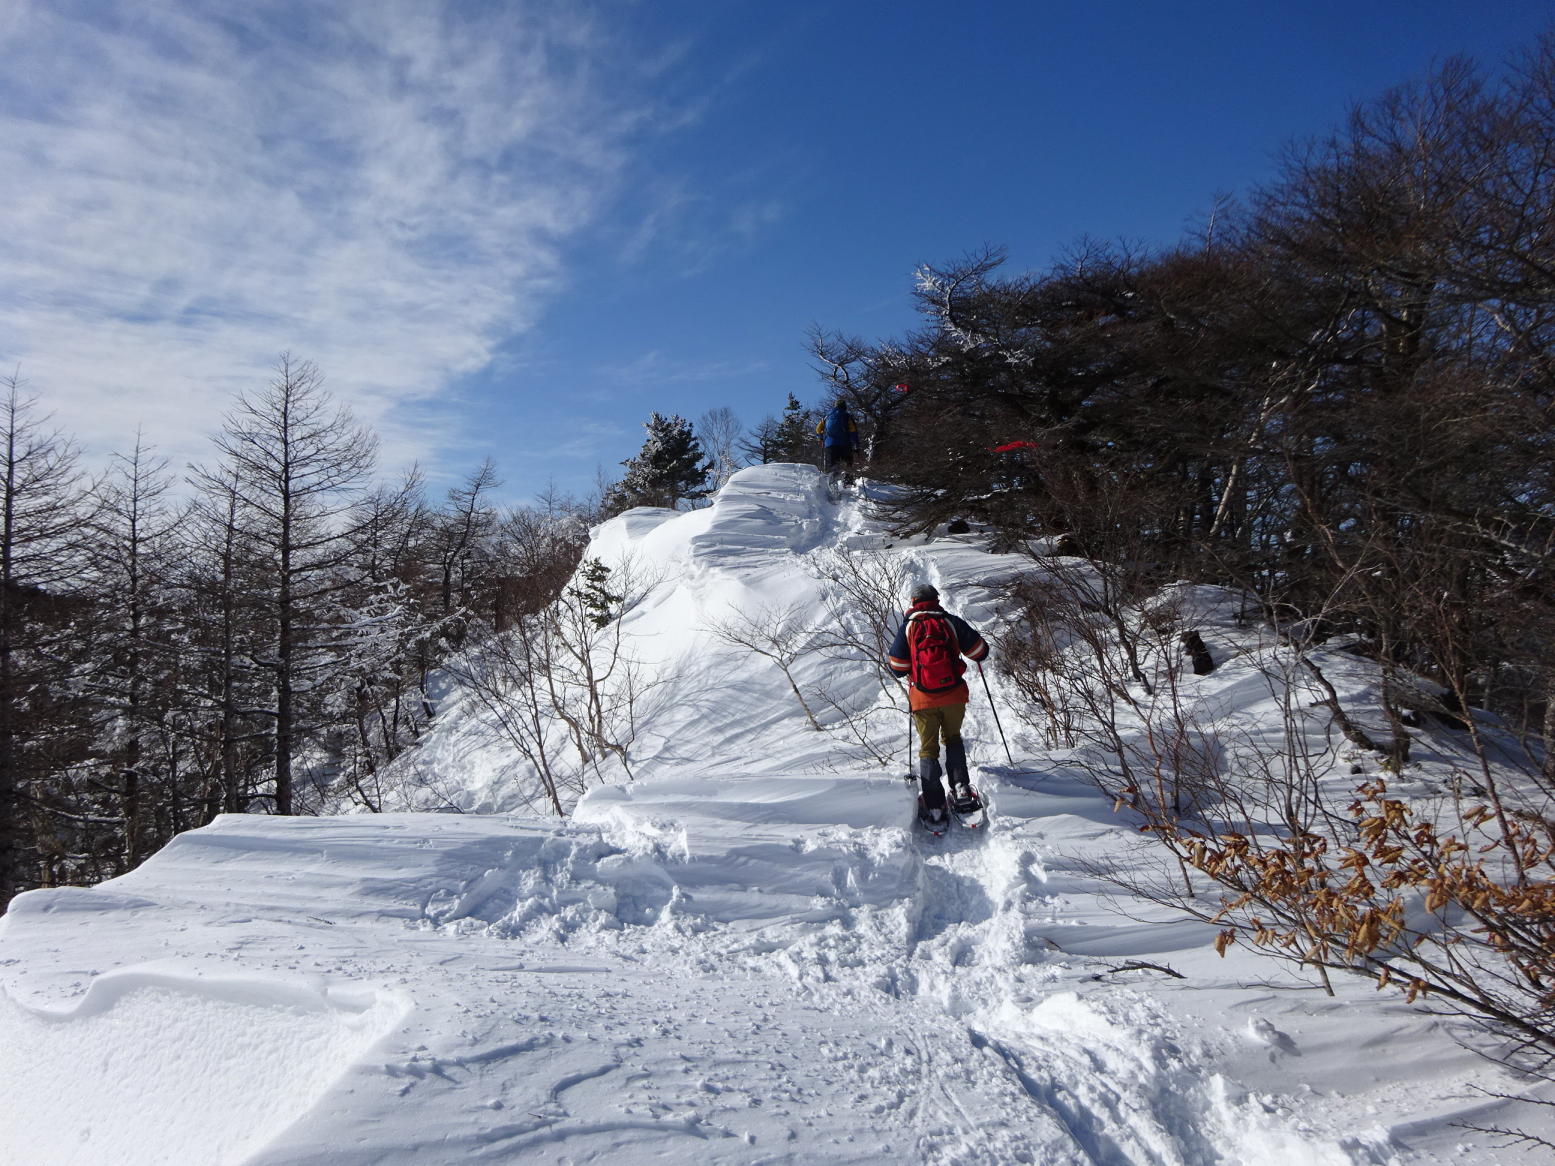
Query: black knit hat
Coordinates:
[922,591]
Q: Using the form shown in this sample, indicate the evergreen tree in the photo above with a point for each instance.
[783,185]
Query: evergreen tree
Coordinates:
[670,468]
[600,605]
[795,439]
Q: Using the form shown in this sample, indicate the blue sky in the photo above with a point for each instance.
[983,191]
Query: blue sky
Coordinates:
[515,229]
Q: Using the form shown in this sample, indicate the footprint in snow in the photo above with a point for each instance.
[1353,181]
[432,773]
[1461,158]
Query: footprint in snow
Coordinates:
[1264,1032]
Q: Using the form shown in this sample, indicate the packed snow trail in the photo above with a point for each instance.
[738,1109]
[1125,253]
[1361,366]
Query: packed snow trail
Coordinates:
[731,970]
[746,955]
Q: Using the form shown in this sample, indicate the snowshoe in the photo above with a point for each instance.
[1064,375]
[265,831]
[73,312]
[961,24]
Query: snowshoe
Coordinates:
[935,826]
[967,808]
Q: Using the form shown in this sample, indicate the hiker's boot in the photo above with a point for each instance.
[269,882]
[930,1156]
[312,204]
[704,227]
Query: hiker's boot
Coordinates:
[955,771]
[933,791]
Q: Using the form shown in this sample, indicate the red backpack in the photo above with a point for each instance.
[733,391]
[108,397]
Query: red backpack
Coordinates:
[934,652]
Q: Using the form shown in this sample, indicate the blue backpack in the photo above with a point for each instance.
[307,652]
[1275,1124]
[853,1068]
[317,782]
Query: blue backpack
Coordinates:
[837,432]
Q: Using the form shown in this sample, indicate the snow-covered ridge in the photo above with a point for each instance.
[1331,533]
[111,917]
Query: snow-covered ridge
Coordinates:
[743,956]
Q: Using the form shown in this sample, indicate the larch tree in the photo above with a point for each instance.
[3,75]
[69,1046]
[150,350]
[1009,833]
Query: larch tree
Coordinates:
[301,467]
[42,537]
[132,680]
[221,686]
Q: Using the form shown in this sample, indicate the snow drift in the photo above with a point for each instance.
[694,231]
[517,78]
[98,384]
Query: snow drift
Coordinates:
[744,955]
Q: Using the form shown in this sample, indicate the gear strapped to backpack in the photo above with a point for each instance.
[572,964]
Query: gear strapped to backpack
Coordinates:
[934,652]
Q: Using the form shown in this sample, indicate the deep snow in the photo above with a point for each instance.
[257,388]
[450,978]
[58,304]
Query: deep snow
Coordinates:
[746,955]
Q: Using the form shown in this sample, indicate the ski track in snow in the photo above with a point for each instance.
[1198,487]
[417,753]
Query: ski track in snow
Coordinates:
[703,965]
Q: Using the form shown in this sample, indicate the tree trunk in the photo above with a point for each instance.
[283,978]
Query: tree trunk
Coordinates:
[1549,729]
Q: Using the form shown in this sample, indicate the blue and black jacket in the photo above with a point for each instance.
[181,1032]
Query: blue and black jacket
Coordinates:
[838,429]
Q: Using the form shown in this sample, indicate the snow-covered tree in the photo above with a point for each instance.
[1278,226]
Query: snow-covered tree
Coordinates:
[795,439]
[392,630]
[670,468]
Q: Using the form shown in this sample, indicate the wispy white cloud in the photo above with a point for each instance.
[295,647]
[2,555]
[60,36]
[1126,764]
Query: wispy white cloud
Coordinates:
[585,442]
[692,229]
[657,368]
[383,186]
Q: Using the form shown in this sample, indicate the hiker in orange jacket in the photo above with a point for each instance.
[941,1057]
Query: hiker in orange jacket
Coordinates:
[928,650]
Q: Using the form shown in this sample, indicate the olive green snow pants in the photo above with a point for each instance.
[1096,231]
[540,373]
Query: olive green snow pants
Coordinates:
[932,722]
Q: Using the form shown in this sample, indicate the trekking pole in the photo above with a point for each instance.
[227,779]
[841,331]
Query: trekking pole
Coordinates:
[908,774]
[989,693]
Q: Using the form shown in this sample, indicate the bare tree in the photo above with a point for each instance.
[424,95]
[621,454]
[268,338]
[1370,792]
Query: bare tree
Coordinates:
[780,634]
[133,681]
[763,444]
[1448,898]
[300,465]
[377,703]
[559,684]
[534,552]
[460,540]
[42,534]
[221,685]
[719,431]
[864,588]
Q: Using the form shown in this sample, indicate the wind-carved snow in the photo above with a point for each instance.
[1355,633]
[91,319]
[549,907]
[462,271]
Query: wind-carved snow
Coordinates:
[149,1068]
[762,513]
[744,956]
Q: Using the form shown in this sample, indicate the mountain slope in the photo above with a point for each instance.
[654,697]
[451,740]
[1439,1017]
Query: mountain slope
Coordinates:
[745,955]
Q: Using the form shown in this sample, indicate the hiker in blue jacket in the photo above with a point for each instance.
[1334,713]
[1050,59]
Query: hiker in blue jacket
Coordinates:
[839,436]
